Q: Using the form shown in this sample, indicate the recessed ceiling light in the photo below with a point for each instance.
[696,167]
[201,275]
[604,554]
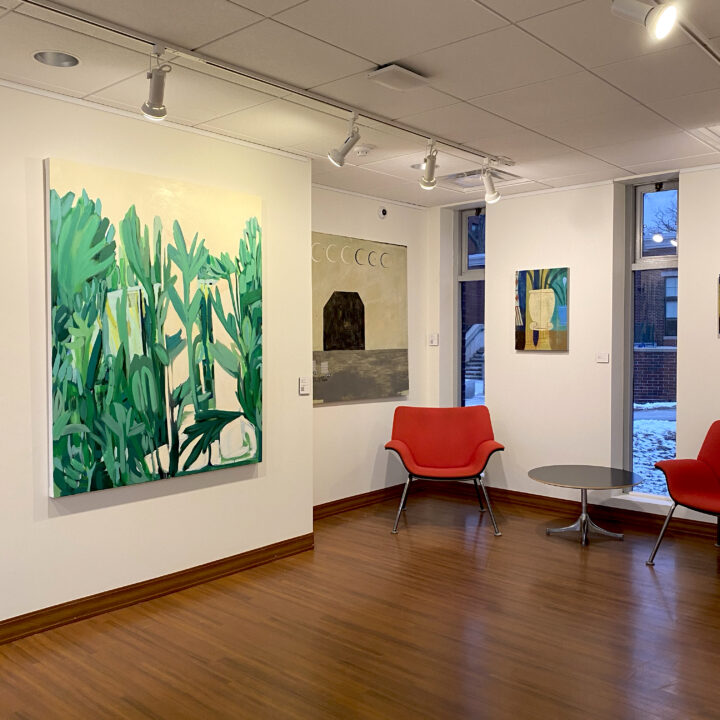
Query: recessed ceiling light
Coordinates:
[56,58]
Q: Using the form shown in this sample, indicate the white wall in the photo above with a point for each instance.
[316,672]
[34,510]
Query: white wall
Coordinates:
[698,339]
[349,439]
[549,407]
[58,550]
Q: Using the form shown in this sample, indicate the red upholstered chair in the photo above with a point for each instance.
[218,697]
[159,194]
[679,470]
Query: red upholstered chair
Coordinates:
[444,444]
[695,484]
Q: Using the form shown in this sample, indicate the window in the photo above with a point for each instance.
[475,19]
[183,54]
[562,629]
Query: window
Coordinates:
[671,285]
[655,313]
[657,221]
[472,307]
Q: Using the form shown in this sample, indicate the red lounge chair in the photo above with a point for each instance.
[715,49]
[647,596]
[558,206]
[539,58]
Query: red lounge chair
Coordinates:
[444,444]
[695,484]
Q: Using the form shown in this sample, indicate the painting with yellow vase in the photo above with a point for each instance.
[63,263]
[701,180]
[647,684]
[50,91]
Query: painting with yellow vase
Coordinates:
[541,309]
[155,319]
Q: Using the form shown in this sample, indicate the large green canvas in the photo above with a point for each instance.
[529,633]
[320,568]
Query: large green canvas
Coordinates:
[155,327]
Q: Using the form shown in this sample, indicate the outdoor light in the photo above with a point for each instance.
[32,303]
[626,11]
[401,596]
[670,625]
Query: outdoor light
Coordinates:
[657,19]
[337,155]
[491,194]
[428,181]
[657,237]
[154,107]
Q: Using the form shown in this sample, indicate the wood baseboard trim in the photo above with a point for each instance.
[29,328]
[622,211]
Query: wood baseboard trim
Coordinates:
[639,519]
[57,615]
[335,507]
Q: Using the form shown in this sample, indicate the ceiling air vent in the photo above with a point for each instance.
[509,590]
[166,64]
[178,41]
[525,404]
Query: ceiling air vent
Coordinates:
[472,180]
[397,78]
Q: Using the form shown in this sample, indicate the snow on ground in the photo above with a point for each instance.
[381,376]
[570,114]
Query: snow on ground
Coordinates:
[653,440]
[662,404]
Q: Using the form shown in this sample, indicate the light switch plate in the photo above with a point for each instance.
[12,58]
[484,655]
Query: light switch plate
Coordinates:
[434,339]
[602,357]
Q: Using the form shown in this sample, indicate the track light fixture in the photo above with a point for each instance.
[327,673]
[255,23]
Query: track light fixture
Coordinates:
[428,181]
[154,107]
[658,19]
[491,194]
[337,155]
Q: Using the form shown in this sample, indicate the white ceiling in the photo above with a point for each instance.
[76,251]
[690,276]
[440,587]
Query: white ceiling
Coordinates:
[567,90]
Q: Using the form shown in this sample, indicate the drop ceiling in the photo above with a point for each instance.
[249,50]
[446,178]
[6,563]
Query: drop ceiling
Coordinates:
[571,93]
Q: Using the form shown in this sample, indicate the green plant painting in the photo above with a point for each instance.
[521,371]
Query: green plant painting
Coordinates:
[156,330]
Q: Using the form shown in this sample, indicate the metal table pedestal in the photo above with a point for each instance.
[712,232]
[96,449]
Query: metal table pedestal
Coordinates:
[584,524]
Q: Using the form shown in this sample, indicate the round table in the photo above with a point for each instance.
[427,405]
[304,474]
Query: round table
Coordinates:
[584,478]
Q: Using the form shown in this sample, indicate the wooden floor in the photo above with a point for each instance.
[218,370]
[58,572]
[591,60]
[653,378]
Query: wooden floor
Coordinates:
[443,620]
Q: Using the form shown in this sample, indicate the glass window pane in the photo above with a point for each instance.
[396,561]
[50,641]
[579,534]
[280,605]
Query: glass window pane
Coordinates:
[671,287]
[476,242]
[472,352]
[654,378]
[659,223]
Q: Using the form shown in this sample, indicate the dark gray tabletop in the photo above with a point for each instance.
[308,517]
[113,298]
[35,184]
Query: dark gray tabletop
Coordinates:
[588,477]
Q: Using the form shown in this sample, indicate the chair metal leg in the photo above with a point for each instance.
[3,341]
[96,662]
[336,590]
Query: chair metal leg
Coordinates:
[402,505]
[479,496]
[651,559]
[489,506]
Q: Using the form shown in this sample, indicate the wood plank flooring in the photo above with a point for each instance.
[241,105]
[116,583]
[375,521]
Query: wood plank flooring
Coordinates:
[443,620]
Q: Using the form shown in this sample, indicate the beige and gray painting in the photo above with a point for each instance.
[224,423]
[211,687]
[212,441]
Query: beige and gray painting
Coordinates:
[360,337]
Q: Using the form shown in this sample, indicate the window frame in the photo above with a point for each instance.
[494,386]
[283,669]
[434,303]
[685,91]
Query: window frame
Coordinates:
[660,261]
[464,272]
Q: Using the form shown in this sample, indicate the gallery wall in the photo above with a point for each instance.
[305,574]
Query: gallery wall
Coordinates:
[698,386]
[555,408]
[348,439]
[55,550]
[551,407]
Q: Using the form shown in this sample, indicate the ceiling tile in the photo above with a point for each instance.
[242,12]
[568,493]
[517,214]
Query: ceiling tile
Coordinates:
[583,178]
[590,34]
[187,23]
[382,144]
[674,165]
[520,9]
[401,167]
[358,91]
[663,147]
[101,64]
[83,28]
[386,30]
[268,7]
[692,111]
[352,178]
[567,163]
[521,146]
[280,52]
[463,68]
[280,124]
[666,74]
[412,193]
[191,97]
[461,122]
[704,14]
[540,105]
[230,76]
[634,122]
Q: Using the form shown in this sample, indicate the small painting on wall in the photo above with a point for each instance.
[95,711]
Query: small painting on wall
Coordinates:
[541,309]
[360,323]
[155,327]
